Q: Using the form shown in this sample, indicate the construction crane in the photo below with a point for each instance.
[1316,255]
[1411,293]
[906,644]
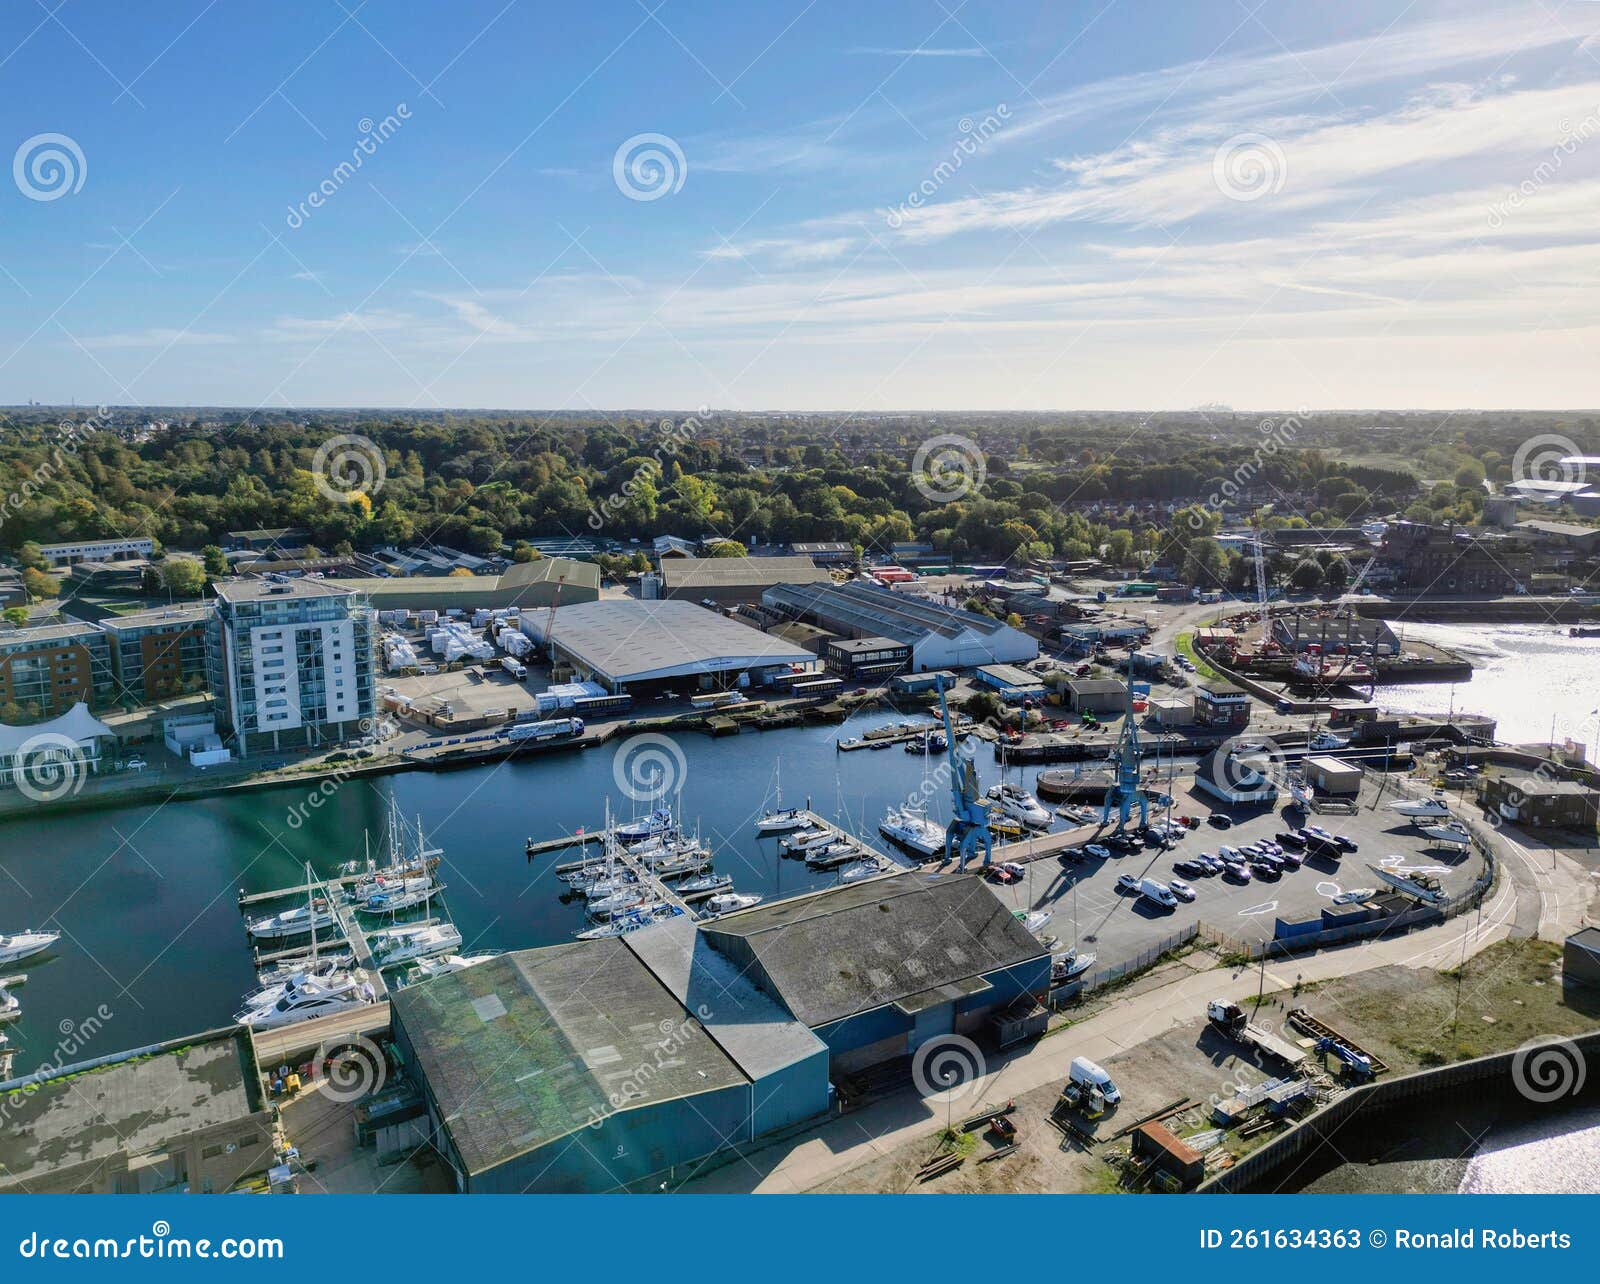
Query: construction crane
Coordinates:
[1261,589]
[1127,793]
[969,818]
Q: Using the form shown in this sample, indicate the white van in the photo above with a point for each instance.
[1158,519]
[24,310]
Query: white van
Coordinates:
[1160,893]
[1086,1074]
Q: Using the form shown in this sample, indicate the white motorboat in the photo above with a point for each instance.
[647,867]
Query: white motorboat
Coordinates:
[446,963]
[729,902]
[1454,834]
[302,920]
[303,997]
[1033,920]
[855,872]
[1017,803]
[1425,887]
[636,831]
[10,1006]
[1355,895]
[833,855]
[392,945]
[1421,808]
[1070,966]
[910,827]
[22,945]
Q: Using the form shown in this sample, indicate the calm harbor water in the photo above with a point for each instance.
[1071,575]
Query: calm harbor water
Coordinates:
[146,896]
[1524,674]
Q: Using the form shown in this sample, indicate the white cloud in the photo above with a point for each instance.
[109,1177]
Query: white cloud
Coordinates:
[157,337]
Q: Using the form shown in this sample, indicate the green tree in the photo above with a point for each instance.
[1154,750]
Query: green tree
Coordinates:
[183,576]
[29,556]
[38,585]
[17,616]
[215,561]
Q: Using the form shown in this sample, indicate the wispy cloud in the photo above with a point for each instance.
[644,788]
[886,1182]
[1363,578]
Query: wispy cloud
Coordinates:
[926,51]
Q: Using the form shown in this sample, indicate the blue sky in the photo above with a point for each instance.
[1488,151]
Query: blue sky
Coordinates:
[910,204]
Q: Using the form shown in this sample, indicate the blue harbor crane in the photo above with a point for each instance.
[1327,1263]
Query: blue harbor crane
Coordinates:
[1126,792]
[969,817]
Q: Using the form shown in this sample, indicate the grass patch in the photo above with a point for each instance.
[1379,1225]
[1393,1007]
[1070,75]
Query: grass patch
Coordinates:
[1185,646]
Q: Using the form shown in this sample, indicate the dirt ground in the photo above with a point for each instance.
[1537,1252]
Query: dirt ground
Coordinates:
[1508,994]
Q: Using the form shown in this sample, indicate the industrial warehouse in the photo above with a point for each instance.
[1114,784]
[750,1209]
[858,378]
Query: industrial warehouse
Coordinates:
[940,637]
[636,647]
[601,1064]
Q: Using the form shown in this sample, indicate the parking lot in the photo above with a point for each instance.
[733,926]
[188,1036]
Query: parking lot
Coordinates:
[1118,926]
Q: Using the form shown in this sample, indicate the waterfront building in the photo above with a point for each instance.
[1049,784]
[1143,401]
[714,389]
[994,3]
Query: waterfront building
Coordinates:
[157,654]
[71,745]
[940,637]
[291,662]
[1540,803]
[861,659]
[47,670]
[534,1084]
[1221,705]
[183,1116]
[634,646]
[96,550]
[1097,695]
[1335,634]
[1013,685]
[1421,559]
[729,581]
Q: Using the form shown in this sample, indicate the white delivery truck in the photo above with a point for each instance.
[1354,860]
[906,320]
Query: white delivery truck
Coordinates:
[515,667]
[1157,893]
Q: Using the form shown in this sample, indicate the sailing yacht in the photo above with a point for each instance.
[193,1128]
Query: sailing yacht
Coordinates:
[781,819]
[705,883]
[657,822]
[401,896]
[22,945]
[1017,803]
[910,827]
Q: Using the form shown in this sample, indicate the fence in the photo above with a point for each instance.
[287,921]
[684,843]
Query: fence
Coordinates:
[1106,975]
[1502,1072]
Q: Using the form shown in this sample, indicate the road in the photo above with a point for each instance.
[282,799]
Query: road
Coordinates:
[1542,891]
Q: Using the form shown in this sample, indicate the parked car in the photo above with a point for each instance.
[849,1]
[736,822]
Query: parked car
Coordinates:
[1290,860]
[1098,852]
[1345,844]
[1236,870]
[1219,820]
[1291,838]
[1127,882]
[1181,889]
[1193,868]
[1072,855]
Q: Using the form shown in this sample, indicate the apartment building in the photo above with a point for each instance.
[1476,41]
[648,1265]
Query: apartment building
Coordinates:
[291,662]
[157,654]
[45,671]
[96,550]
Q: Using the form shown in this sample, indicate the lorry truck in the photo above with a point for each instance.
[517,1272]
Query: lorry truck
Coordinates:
[1232,1021]
[552,729]
[515,667]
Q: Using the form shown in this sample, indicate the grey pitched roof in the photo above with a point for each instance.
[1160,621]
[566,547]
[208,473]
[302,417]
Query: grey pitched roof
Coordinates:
[851,949]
